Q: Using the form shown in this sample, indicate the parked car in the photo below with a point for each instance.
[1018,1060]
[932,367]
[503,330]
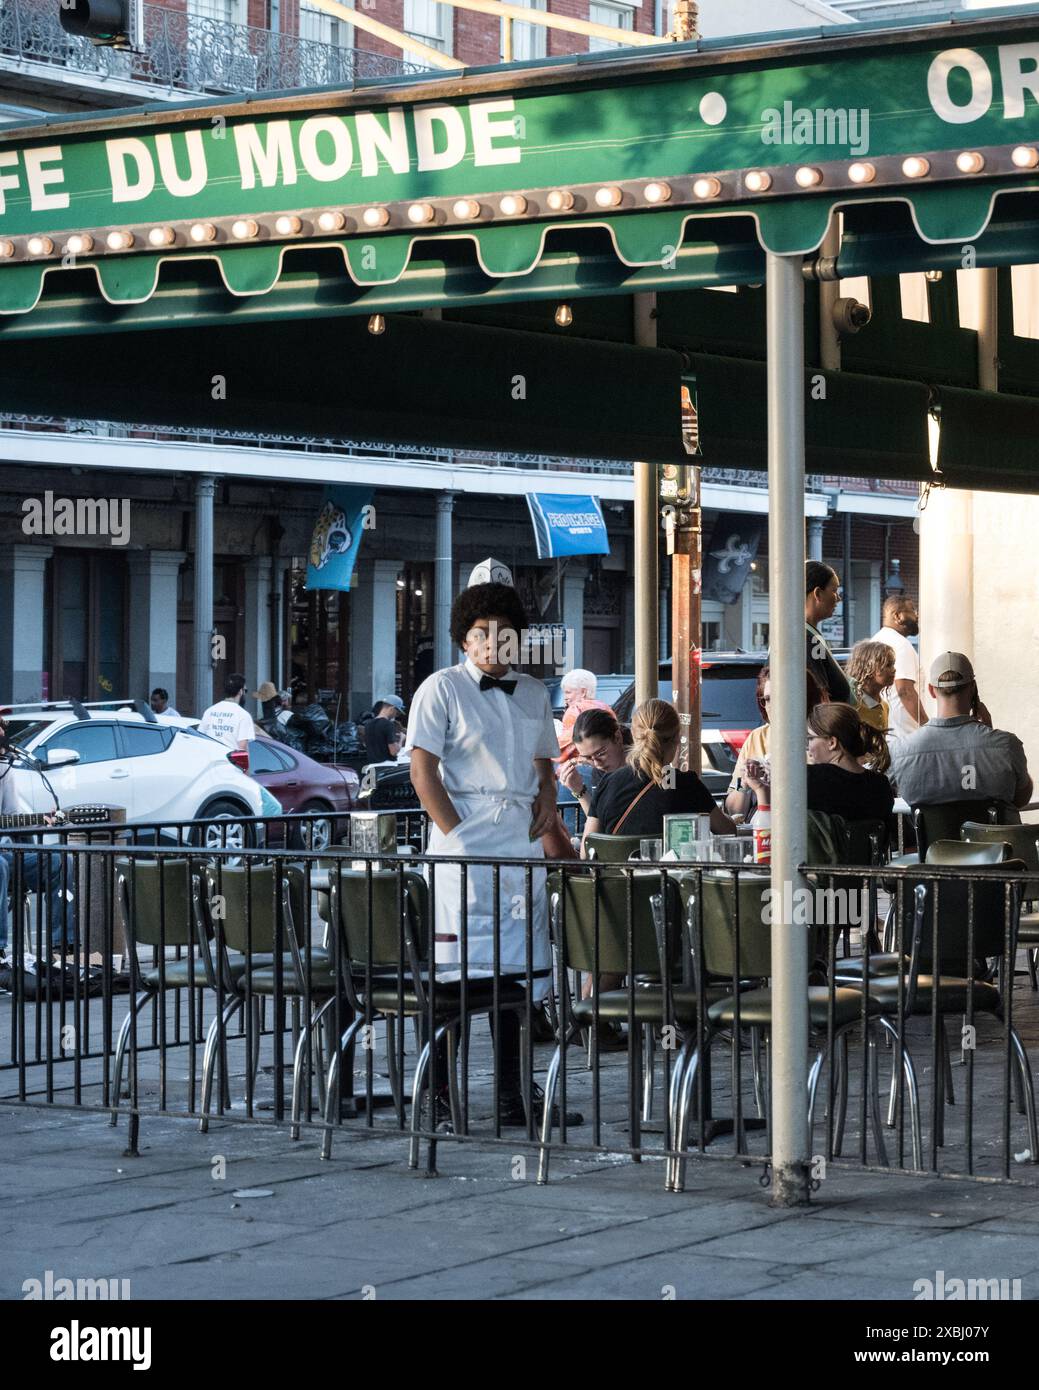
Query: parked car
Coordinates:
[302,785]
[119,753]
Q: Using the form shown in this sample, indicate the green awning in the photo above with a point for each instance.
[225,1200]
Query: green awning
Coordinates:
[476,188]
[855,425]
[988,440]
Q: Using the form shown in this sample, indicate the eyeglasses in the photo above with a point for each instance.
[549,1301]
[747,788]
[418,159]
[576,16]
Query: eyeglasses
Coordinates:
[596,755]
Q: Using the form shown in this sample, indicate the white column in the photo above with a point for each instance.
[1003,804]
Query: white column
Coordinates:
[22,608]
[205,489]
[153,622]
[785,377]
[259,666]
[815,538]
[572,608]
[373,632]
[443,654]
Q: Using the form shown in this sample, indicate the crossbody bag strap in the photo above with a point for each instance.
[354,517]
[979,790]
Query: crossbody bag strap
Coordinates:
[635,802]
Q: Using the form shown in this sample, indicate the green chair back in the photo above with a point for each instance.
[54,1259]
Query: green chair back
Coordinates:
[1023,841]
[253,892]
[720,897]
[158,897]
[350,890]
[613,849]
[576,894]
[953,908]
[944,820]
[867,841]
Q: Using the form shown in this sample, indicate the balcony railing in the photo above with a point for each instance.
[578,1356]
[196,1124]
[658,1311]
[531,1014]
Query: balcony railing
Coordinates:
[185,52]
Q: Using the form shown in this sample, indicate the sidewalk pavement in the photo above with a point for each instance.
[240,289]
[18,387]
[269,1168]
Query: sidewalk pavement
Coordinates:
[363,1226]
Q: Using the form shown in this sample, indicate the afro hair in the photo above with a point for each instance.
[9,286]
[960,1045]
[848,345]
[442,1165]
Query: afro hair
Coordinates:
[486,601]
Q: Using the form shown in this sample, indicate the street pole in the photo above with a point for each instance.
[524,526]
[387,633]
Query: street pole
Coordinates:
[205,488]
[647,531]
[684,548]
[786,466]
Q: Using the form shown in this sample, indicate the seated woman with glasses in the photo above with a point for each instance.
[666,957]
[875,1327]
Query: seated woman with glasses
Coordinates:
[601,744]
[838,784]
[635,798]
[739,801]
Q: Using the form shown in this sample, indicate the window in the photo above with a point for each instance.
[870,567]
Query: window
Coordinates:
[144,742]
[228,11]
[615,15]
[264,758]
[95,743]
[1024,287]
[528,40]
[430,22]
[87,628]
[914,297]
[319,27]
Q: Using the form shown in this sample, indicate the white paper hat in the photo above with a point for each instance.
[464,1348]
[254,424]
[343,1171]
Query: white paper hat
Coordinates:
[490,571]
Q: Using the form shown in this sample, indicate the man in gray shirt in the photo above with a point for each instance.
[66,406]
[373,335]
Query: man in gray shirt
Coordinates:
[955,757]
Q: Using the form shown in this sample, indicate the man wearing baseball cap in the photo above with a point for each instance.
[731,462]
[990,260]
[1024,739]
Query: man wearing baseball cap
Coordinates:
[957,756]
[382,733]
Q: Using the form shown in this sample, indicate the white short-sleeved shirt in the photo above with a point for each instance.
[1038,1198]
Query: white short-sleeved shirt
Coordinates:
[227,722]
[486,740]
[907,668]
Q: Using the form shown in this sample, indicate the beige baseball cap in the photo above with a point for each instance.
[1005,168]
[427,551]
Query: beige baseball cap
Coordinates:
[955,662]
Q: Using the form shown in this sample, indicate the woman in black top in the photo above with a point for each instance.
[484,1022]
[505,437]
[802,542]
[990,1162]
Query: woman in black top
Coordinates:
[635,799]
[822,595]
[838,784]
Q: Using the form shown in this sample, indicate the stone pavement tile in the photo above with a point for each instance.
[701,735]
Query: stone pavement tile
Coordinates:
[677,1275]
[482,1279]
[967,1251]
[802,1240]
[269,1272]
[832,1287]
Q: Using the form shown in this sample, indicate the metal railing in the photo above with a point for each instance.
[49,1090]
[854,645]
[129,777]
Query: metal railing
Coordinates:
[679,954]
[190,53]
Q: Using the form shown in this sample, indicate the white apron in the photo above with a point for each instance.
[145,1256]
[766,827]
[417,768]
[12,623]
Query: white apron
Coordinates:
[493,825]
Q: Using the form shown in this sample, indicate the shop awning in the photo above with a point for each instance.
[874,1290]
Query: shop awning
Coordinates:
[677,167]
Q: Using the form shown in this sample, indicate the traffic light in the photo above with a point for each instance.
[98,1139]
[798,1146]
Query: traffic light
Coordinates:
[107,23]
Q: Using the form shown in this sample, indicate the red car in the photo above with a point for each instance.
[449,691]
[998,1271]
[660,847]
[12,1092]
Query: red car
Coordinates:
[301,784]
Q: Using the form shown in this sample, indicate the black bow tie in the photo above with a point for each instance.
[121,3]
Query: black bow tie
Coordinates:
[493,683]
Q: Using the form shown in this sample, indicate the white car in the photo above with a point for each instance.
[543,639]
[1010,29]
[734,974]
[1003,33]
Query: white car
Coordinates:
[120,753]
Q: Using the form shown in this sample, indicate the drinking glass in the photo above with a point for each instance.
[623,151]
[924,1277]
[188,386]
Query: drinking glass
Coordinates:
[651,849]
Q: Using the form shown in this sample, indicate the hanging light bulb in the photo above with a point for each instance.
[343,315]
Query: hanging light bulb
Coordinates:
[376,325]
[564,316]
[933,276]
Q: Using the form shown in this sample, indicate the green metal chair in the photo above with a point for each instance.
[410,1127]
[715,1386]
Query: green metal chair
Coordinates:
[155,907]
[253,910]
[730,939]
[613,849]
[385,929]
[590,928]
[944,820]
[1023,841]
[947,985]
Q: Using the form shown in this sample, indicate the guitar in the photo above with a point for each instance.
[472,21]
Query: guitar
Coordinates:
[72,815]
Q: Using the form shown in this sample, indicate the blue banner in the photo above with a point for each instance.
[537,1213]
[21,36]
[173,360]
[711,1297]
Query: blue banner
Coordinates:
[337,537]
[566,524]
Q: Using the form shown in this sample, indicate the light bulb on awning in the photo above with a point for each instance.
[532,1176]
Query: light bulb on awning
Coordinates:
[513,204]
[79,244]
[757,181]
[6,249]
[245,229]
[564,316]
[657,192]
[609,196]
[466,209]
[288,225]
[375,217]
[970,162]
[560,200]
[331,221]
[120,241]
[863,172]
[1025,157]
[421,212]
[708,187]
[162,236]
[916,167]
[808,176]
[39,246]
[203,231]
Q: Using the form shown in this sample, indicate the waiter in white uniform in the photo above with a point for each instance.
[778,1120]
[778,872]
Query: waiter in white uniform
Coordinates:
[482,738]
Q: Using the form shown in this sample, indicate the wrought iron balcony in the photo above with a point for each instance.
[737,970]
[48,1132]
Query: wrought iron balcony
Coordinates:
[189,53]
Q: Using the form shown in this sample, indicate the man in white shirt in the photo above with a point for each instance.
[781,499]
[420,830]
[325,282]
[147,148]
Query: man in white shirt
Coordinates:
[905,707]
[227,721]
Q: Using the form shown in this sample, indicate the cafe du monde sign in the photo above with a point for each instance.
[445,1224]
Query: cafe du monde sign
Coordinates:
[613,141]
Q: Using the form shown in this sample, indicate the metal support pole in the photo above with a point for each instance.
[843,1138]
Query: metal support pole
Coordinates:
[205,490]
[786,455]
[442,653]
[647,533]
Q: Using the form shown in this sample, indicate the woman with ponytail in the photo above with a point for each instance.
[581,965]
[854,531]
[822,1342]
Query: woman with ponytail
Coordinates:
[635,798]
[839,743]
